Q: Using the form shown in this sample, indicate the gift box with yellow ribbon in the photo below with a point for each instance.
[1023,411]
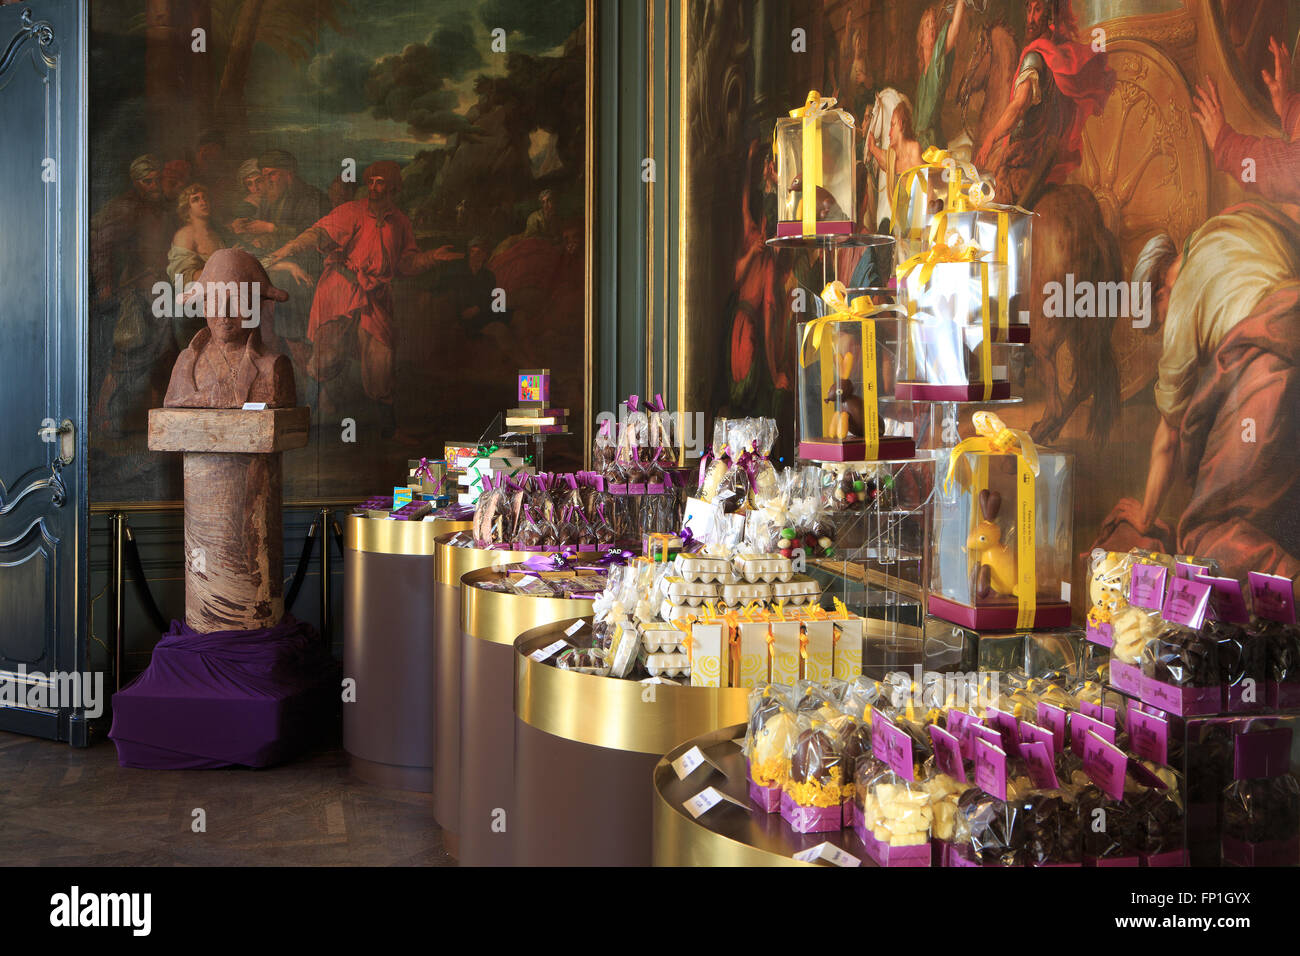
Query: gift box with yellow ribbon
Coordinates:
[953,348]
[847,357]
[1002,532]
[814,157]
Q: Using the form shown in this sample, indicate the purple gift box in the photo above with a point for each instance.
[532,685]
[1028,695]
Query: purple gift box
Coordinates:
[1264,853]
[767,799]
[881,853]
[1283,695]
[1183,701]
[810,819]
[1168,858]
[1126,677]
[1112,861]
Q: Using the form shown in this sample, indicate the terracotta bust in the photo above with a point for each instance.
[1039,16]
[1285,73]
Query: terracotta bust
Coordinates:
[226,364]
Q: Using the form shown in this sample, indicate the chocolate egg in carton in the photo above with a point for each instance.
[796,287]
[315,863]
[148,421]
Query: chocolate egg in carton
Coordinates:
[658,638]
[705,568]
[691,593]
[768,566]
[668,665]
[800,589]
[741,594]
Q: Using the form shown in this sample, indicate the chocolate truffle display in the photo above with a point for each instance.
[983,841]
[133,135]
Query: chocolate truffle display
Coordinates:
[1261,807]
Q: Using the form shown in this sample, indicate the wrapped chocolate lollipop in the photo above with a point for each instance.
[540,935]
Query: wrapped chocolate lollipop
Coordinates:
[764,485]
[485,512]
[532,533]
[661,454]
[605,450]
[566,530]
[733,492]
[603,528]
[633,444]
[583,529]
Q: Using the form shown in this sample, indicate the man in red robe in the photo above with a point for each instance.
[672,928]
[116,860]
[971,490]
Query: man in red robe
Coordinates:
[1267,165]
[368,243]
[1061,82]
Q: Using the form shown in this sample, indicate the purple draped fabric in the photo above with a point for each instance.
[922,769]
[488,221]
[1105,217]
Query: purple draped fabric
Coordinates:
[249,698]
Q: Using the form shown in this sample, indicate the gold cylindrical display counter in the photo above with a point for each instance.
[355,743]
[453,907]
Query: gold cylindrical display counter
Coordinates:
[725,835]
[490,622]
[598,737]
[452,562]
[390,607]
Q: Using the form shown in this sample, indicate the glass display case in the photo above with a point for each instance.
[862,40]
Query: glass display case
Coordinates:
[814,149]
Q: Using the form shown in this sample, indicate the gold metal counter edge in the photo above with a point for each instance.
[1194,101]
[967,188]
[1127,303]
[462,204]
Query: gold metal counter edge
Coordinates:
[616,714]
[500,618]
[680,841]
[452,563]
[397,537]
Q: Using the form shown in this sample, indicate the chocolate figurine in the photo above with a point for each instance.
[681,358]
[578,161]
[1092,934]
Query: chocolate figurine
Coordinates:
[225,364]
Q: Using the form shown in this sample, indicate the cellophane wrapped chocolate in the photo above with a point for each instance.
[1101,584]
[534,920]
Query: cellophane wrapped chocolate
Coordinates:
[602,527]
[1283,644]
[661,454]
[897,816]
[1115,834]
[770,516]
[659,507]
[1243,664]
[1164,819]
[769,736]
[533,533]
[583,661]
[763,474]
[989,831]
[716,463]
[633,444]
[733,491]
[812,796]
[605,451]
[1261,807]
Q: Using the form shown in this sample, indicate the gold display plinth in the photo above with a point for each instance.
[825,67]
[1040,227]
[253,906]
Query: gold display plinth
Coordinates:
[450,564]
[726,835]
[390,616]
[490,622]
[599,737]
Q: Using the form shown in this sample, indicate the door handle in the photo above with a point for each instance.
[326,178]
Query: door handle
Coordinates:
[65,433]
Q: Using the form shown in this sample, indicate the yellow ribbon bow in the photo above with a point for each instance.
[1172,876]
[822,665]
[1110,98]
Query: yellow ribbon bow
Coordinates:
[950,248]
[966,188]
[811,169]
[993,437]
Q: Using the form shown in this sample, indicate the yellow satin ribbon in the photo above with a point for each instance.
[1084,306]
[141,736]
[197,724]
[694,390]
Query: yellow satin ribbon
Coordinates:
[993,437]
[841,609]
[771,651]
[811,172]
[862,311]
[966,189]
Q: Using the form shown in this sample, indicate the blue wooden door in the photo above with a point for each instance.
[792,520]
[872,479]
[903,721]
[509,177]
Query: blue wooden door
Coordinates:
[43,234]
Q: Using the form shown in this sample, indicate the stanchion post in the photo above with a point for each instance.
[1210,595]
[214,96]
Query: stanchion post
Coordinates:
[117,592]
[326,629]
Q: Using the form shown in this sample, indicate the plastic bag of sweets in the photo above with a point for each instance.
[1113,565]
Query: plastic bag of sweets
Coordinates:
[583,530]
[633,451]
[894,825]
[602,528]
[945,778]
[1164,820]
[812,795]
[733,491]
[764,483]
[1261,807]
[566,529]
[660,452]
[1243,665]
[659,507]
[989,830]
[485,514]
[769,736]
[605,450]
[1180,671]
[1283,649]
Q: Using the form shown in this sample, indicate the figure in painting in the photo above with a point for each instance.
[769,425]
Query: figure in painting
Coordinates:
[1264,164]
[368,243]
[935,46]
[543,222]
[1228,394]
[1060,83]
[130,237]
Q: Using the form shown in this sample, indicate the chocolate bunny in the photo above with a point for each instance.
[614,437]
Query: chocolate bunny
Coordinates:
[996,574]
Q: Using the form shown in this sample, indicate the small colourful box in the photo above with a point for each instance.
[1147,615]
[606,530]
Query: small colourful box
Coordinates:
[534,386]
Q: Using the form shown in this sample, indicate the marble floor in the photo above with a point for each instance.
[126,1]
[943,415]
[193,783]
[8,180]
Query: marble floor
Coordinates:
[60,806]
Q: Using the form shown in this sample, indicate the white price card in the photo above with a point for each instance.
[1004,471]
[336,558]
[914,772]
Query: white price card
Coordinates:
[573,628]
[689,762]
[548,651]
[828,852]
[706,800]
[254,406]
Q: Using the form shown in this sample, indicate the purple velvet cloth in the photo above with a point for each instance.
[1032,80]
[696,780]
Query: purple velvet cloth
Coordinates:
[248,698]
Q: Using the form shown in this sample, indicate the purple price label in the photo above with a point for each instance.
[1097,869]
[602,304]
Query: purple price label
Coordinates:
[958,722]
[1081,725]
[1037,755]
[1105,764]
[991,769]
[1103,634]
[879,742]
[1005,724]
[1149,736]
[1032,733]
[1226,599]
[1054,719]
[1147,586]
[1272,597]
[947,753]
[1187,603]
[898,752]
[1089,709]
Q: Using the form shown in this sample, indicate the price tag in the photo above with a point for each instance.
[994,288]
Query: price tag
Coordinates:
[1272,597]
[1147,586]
[254,406]
[689,762]
[548,651]
[828,852]
[573,628]
[706,800]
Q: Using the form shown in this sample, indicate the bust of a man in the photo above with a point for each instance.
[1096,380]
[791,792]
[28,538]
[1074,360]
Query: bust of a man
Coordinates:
[225,364]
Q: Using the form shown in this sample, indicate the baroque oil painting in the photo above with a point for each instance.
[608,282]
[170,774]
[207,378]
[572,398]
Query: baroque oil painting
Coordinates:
[1155,140]
[412,173]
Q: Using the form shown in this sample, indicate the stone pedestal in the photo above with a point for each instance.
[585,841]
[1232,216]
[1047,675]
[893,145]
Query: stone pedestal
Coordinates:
[234,552]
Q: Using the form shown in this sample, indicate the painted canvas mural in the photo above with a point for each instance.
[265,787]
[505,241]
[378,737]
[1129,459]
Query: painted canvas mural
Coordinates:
[1155,139]
[412,173]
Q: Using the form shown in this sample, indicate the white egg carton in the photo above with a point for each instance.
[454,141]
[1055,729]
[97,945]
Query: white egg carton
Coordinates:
[668,665]
[661,638]
[769,567]
[800,589]
[744,593]
[703,568]
[691,593]
[676,612]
